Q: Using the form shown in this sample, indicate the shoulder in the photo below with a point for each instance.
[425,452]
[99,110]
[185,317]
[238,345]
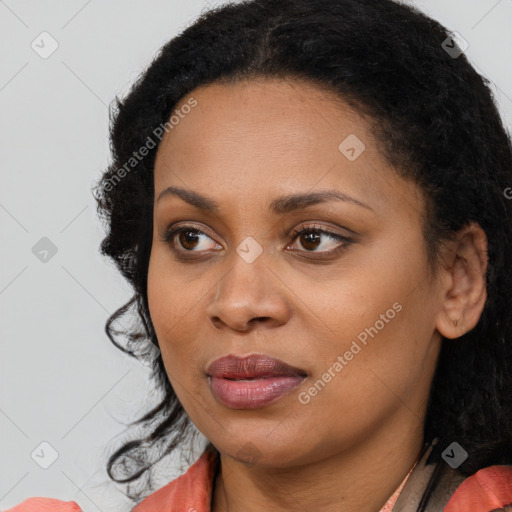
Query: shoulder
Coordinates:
[487,490]
[191,491]
[45,505]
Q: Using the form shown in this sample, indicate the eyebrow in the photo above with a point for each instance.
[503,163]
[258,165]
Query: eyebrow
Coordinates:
[280,205]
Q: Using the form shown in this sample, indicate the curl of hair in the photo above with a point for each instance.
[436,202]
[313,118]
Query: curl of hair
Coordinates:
[436,122]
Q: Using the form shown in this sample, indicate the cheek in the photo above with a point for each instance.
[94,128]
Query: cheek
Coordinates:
[387,362]
[379,321]
[157,298]
[170,307]
[176,306]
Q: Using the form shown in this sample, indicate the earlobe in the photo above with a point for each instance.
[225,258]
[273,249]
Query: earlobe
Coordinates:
[463,289]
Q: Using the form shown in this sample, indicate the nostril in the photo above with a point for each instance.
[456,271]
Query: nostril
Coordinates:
[216,320]
[259,319]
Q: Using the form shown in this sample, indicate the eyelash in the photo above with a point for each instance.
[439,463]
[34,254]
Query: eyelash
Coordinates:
[171,234]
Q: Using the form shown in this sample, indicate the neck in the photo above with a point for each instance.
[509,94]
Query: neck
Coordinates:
[359,479]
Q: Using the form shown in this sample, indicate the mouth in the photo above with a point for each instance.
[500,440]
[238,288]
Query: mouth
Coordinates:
[252,381]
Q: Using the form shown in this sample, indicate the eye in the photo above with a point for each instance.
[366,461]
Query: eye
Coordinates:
[310,237]
[187,238]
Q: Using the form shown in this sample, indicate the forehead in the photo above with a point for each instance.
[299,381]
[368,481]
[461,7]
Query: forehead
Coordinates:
[276,135]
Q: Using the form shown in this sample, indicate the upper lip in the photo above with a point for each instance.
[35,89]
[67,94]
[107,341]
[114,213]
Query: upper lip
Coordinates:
[251,366]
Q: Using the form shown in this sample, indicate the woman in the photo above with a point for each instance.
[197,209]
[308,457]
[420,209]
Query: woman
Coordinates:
[309,199]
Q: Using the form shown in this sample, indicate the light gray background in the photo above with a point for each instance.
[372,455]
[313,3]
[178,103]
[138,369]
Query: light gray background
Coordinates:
[61,380]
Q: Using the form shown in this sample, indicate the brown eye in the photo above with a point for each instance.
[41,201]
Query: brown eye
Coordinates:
[311,238]
[187,239]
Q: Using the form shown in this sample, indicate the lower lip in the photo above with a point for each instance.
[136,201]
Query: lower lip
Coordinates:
[254,393]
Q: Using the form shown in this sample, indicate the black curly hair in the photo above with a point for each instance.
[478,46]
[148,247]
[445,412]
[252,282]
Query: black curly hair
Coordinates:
[437,124]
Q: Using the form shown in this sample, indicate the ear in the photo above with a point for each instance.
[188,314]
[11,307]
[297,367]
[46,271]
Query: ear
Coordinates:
[463,283]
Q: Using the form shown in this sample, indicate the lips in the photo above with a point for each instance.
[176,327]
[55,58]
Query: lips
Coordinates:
[251,367]
[252,381]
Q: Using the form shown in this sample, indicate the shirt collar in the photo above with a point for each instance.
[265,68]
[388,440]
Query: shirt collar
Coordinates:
[192,491]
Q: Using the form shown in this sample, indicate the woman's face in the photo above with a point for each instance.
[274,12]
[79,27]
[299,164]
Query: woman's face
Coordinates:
[349,304]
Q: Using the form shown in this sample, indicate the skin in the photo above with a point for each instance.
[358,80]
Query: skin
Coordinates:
[350,447]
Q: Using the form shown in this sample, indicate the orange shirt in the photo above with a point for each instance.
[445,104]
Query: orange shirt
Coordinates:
[192,491]
[487,490]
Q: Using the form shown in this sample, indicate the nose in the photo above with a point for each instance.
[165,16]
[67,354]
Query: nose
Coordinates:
[248,295]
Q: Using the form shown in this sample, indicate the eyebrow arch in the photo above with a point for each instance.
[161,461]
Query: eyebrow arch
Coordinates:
[280,205]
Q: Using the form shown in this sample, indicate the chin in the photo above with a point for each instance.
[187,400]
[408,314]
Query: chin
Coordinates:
[257,450]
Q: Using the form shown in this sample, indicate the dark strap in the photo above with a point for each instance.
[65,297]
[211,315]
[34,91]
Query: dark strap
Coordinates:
[412,493]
